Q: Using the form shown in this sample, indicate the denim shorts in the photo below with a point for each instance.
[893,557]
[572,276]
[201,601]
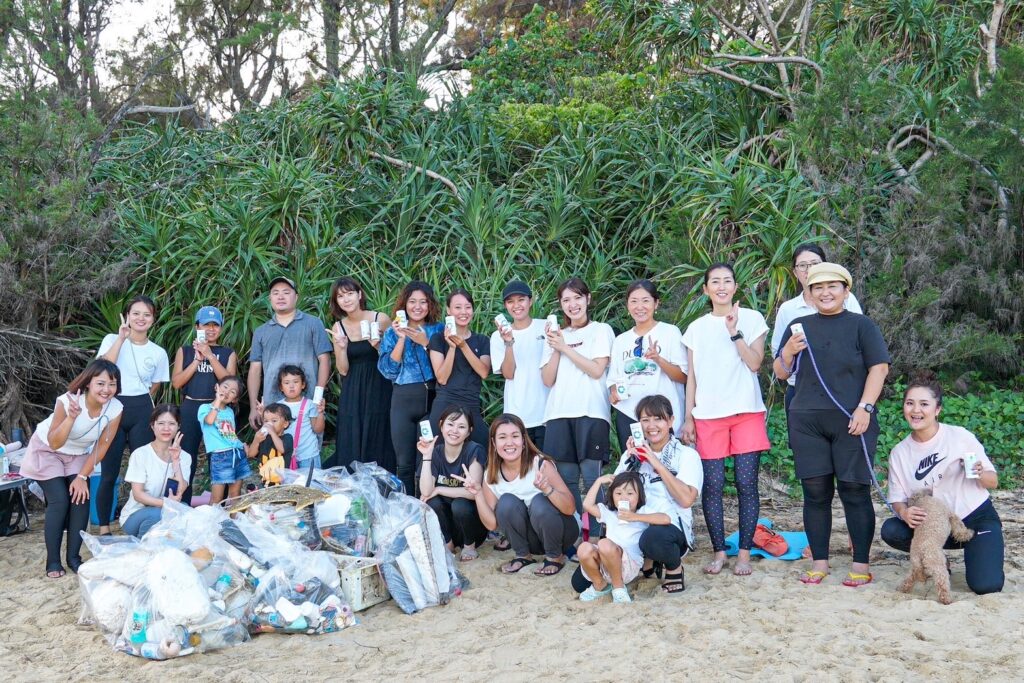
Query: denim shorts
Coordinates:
[227,467]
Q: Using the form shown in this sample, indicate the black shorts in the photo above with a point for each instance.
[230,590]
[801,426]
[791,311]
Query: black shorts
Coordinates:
[575,439]
[822,445]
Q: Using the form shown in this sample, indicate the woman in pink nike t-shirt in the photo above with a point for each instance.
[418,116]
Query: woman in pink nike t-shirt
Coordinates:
[933,457]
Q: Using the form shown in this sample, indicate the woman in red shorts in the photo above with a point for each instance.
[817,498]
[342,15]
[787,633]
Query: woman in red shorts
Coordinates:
[725,415]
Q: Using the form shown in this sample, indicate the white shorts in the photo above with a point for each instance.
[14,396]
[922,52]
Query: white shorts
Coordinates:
[630,568]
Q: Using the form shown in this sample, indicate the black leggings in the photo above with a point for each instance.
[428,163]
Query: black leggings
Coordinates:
[459,519]
[410,403]
[61,515]
[746,467]
[860,515]
[191,440]
[133,430]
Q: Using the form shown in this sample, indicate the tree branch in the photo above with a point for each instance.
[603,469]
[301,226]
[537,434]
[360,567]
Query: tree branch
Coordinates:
[991,35]
[756,140]
[704,69]
[773,59]
[419,169]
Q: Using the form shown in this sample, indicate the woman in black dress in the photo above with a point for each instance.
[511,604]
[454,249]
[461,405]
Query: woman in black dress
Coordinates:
[363,429]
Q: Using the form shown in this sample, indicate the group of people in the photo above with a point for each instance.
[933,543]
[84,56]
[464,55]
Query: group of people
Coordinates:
[680,404]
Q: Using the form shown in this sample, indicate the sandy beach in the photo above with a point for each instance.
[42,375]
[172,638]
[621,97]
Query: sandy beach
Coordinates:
[523,627]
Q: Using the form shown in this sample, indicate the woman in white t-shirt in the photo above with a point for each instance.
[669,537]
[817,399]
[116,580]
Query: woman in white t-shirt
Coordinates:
[577,415]
[144,367]
[156,471]
[63,452]
[725,415]
[933,457]
[523,495]
[647,360]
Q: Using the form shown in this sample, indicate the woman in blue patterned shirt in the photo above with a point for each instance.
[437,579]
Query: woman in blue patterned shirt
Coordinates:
[405,361]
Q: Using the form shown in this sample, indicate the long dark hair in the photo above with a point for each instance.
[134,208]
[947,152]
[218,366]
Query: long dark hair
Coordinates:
[433,308]
[577,285]
[530,450]
[345,284]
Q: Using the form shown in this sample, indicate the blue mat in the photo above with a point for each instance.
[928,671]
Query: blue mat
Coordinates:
[797,541]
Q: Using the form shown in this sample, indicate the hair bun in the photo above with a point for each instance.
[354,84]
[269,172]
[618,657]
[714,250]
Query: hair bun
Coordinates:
[922,376]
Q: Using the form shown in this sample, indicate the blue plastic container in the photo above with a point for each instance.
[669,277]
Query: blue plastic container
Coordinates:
[94,487]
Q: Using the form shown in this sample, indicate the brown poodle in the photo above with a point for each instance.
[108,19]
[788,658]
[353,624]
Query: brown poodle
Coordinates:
[926,556]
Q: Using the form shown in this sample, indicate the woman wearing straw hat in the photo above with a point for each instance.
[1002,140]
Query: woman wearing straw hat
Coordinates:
[840,361]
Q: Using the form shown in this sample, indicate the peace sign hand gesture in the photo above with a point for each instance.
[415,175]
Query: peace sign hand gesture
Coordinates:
[124,329]
[174,450]
[473,488]
[75,405]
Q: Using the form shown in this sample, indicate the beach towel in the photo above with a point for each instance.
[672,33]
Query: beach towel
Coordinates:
[797,541]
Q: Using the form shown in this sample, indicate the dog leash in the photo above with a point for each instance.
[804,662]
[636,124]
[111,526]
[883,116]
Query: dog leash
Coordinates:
[863,443]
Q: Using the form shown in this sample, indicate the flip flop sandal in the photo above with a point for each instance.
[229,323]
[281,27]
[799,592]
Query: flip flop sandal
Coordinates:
[673,584]
[520,562]
[813,577]
[769,541]
[853,580]
[502,545]
[547,565]
[657,569]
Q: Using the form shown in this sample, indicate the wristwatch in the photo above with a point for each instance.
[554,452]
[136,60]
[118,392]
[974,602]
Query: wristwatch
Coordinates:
[509,343]
[868,407]
[83,478]
[737,336]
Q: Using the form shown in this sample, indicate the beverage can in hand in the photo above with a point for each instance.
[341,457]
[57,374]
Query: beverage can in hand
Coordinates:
[969,460]
[402,318]
[636,430]
[623,505]
[318,394]
[502,322]
[374,332]
[201,336]
[553,323]
[796,328]
[364,328]
[449,325]
[621,390]
[425,431]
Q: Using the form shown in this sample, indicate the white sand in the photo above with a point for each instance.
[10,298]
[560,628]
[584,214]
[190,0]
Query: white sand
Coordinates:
[523,627]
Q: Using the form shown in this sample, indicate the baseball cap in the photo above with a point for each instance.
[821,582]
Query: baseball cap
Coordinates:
[287,281]
[828,272]
[516,288]
[209,314]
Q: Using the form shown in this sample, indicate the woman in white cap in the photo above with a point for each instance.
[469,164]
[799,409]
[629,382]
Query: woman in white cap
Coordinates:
[198,366]
[840,361]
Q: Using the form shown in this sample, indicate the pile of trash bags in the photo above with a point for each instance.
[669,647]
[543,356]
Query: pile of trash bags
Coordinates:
[202,580]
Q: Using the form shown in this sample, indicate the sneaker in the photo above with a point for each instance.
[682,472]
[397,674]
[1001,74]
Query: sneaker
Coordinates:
[621,595]
[592,594]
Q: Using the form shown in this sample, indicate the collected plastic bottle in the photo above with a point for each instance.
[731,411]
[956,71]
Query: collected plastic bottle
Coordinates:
[137,633]
[5,462]
[223,583]
[359,515]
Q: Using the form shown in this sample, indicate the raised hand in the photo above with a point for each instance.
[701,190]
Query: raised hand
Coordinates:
[174,450]
[75,405]
[732,320]
[338,336]
[123,330]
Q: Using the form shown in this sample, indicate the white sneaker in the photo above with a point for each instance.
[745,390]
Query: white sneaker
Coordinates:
[591,594]
[621,595]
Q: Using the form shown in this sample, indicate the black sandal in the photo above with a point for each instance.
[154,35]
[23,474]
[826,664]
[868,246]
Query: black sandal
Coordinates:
[520,562]
[673,583]
[547,565]
[502,545]
[57,569]
[657,569]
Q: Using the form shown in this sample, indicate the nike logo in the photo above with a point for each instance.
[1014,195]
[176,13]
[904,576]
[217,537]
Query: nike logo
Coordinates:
[979,533]
[927,464]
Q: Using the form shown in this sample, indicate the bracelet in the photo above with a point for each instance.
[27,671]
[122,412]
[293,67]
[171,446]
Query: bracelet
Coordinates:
[785,367]
[547,494]
[426,460]
[508,344]
[83,477]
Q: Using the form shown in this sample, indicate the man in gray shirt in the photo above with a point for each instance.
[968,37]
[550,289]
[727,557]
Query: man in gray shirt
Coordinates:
[290,337]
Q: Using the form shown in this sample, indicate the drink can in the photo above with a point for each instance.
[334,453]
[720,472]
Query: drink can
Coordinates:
[364,328]
[553,323]
[402,318]
[425,431]
[264,430]
[796,328]
[623,505]
[374,331]
[969,460]
[201,336]
[318,394]
[636,430]
[449,325]
[5,465]
[621,390]
[501,321]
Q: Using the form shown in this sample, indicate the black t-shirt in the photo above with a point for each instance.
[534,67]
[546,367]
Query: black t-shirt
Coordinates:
[845,346]
[442,470]
[463,387]
[201,385]
[266,449]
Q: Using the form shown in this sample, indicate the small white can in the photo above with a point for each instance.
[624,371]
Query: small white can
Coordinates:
[969,460]
[201,336]
[553,323]
[501,321]
[425,431]
[402,318]
[374,331]
[796,328]
[449,325]
[636,430]
[621,390]
[364,329]
[264,430]
[623,505]
[318,394]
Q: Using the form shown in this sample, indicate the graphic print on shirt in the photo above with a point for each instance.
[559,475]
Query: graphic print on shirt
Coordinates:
[445,480]
[927,464]
[227,429]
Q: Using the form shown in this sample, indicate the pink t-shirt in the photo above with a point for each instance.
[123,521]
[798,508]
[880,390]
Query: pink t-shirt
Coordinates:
[938,464]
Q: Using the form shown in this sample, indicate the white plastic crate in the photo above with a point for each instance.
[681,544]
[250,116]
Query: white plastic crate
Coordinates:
[361,581]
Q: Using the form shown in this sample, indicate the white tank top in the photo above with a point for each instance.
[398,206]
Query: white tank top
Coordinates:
[86,431]
[520,487]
